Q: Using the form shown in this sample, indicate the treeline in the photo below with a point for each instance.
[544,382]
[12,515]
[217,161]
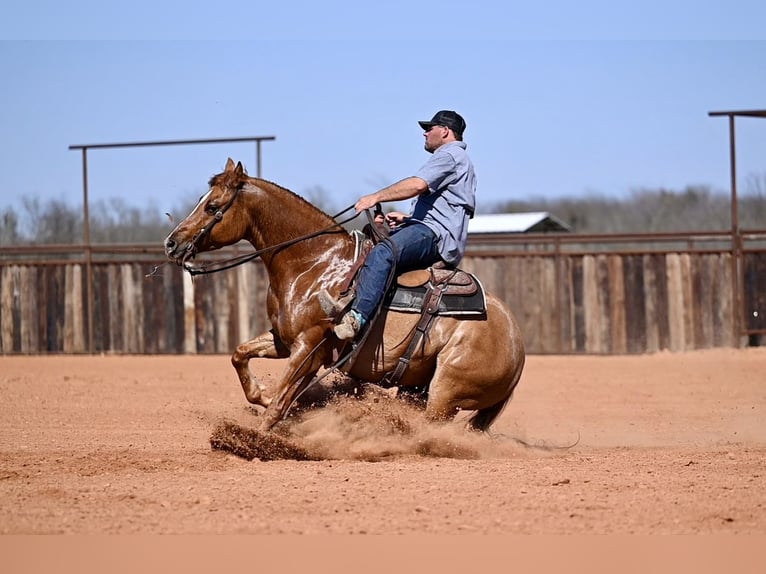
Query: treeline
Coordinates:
[695,208]
[59,222]
[643,211]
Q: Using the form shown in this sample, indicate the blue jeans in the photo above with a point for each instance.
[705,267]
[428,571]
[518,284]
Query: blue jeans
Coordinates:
[416,248]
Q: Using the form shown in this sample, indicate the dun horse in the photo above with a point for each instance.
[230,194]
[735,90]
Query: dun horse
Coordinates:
[464,364]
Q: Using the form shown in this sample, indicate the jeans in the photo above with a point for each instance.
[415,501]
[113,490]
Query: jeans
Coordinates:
[416,248]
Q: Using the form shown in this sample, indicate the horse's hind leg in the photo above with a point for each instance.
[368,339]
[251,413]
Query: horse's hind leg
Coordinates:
[268,346]
[482,419]
[440,406]
[443,409]
[450,393]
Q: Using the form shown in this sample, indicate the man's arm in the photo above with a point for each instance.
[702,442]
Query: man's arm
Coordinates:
[404,189]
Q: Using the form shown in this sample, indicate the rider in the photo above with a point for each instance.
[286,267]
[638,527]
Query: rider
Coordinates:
[435,230]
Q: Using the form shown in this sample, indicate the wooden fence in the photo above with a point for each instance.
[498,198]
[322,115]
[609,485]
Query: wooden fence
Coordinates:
[615,303]
[628,302]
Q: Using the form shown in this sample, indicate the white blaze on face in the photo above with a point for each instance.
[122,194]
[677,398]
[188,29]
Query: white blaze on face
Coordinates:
[203,200]
[200,203]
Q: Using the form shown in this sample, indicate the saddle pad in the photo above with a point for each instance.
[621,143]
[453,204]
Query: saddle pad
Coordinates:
[410,300]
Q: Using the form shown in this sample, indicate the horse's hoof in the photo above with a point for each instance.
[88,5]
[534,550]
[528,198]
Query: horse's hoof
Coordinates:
[258,398]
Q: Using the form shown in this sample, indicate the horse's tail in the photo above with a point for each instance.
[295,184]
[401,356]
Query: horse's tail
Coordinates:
[482,419]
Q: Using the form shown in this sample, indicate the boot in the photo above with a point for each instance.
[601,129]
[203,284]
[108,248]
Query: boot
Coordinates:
[349,326]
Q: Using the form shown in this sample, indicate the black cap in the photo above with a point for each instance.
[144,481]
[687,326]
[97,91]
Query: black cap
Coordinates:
[448,119]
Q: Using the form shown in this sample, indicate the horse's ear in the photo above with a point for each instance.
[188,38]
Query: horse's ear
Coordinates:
[240,169]
[229,165]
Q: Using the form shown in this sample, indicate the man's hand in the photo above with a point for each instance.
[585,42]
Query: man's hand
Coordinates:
[366,202]
[395,218]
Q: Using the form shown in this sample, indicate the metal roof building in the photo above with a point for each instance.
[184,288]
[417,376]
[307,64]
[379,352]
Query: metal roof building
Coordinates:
[531,222]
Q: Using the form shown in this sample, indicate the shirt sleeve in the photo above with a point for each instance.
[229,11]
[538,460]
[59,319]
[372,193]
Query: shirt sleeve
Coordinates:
[437,171]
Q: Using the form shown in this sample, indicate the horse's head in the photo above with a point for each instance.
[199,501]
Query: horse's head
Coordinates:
[215,222]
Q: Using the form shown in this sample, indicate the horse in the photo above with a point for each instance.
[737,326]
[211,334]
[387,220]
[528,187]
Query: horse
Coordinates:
[463,364]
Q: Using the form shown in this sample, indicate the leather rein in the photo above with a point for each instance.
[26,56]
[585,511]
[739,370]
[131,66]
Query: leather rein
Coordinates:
[215,266]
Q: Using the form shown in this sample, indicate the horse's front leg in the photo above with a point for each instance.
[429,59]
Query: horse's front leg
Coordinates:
[268,346]
[306,358]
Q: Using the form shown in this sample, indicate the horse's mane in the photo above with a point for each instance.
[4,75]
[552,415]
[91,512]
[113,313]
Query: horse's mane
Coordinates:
[230,179]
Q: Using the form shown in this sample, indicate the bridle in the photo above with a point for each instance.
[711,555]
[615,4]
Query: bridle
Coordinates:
[193,248]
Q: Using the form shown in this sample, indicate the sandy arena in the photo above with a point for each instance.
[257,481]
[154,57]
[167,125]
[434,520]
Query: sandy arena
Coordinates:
[665,443]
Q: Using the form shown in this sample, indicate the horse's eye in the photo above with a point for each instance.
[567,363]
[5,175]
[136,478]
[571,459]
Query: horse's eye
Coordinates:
[211,208]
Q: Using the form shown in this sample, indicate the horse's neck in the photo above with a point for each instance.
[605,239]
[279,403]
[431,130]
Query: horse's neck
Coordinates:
[277,216]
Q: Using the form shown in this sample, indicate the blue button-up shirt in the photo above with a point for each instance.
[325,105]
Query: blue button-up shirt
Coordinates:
[451,198]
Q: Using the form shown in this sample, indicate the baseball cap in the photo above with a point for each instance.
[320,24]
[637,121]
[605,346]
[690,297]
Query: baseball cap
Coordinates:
[448,119]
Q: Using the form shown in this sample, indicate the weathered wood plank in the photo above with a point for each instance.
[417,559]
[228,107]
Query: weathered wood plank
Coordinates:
[703,283]
[676,324]
[650,298]
[204,305]
[634,303]
[54,303]
[43,301]
[563,304]
[7,287]
[190,315]
[74,313]
[132,300]
[530,303]
[513,292]
[725,302]
[551,330]
[173,310]
[688,301]
[101,296]
[578,295]
[154,332]
[28,309]
[115,301]
[222,319]
[618,327]
[591,304]
[604,304]
[245,300]
[663,301]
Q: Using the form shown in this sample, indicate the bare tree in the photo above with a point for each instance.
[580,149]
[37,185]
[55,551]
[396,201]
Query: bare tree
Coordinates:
[753,202]
[9,227]
[55,222]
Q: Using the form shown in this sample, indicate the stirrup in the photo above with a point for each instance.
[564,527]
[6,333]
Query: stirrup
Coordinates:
[348,328]
[333,307]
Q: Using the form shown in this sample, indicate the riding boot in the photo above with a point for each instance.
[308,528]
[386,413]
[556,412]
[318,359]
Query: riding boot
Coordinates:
[350,326]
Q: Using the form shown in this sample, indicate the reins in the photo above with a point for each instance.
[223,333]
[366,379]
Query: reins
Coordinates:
[216,266]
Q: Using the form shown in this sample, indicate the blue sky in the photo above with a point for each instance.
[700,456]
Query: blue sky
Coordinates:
[561,99]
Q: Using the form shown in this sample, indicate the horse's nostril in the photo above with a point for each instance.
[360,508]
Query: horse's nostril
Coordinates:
[170,244]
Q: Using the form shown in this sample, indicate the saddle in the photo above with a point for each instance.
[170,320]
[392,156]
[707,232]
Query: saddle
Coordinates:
[460,292]
[437,290]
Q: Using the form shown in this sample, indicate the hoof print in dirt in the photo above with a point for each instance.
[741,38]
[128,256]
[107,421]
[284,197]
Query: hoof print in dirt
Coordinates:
[251,444]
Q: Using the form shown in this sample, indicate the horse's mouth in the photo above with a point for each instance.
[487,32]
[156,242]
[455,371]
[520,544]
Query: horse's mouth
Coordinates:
[188,254]
[181,256]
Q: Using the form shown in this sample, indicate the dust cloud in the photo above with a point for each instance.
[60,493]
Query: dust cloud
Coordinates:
[373,426]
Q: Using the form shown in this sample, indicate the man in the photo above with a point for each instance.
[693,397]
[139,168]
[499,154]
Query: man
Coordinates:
[436,229]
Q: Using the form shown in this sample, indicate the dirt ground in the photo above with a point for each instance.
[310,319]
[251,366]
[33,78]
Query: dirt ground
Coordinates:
[663,443]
